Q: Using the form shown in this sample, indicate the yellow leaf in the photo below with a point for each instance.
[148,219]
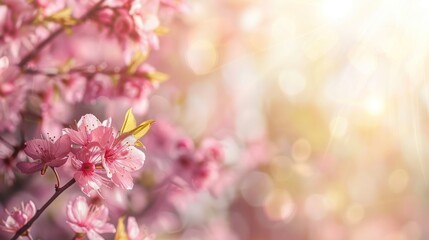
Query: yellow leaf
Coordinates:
[161,30]
[138,58]
[61,14]
[130,126]
[121,234]
[142,129]
[129,122]
[66,66]
[157,76]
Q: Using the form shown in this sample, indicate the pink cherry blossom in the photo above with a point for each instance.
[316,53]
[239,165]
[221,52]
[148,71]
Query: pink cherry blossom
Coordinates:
[85,126]
[12,98]
[88,174]
[134,232]
[212,150]
[204,174]
[120,158]
[88,219]
[198,167]
[123,24]
[18,217]
[46,153]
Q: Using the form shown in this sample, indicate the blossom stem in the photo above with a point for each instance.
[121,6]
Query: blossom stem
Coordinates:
[78,236]
[54,34]
[39,212]
[58,184]
[29,237]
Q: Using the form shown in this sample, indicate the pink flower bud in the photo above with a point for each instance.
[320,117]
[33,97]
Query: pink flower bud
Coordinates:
[105,16]
[123,24]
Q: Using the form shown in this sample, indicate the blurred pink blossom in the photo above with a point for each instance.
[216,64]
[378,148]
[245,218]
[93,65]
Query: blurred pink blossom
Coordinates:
[88,219]
[18,217]
[134,232]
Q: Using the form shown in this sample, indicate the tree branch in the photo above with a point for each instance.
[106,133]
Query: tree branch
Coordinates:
[39,212]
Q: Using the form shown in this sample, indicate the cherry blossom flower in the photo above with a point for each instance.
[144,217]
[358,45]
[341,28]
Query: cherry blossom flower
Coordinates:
[12,97]
[47,153]
[89,220]
[120,158]
[18,217]
[85,126]
[199,167]
[134,232]
[89,175]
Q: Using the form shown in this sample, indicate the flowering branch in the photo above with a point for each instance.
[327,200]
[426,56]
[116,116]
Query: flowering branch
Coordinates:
[53,35]
[24,228]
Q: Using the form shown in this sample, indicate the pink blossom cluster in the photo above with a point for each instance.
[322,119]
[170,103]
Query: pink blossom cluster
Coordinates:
[99,156]
[61,59]
[191,164]
[18,217]
[98,153]
[199,167]
[85,219]
[52,54]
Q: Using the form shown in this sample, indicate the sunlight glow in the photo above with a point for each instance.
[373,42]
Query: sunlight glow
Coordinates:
[337,10]
[374,105]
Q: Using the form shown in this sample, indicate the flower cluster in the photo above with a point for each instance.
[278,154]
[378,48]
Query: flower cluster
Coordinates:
[199,167]
[18,217]
[191,165]
[99,155]
[90,220]
[61,59]
[83,72]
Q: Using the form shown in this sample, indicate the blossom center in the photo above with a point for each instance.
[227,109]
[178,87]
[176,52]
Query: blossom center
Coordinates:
[88,168]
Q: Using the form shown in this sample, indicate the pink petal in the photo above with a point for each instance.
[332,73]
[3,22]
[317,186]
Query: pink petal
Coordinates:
[76,137]
[61,147]
[35,148]
[92,235]
[57,162]
[100,216]
[30,209]
[30,167]
[123,180]
[103,136]
[89,122]
[70,213]
[107,228]
[76,228]
[133,160]
[80,209]
[83,183]
[132,228]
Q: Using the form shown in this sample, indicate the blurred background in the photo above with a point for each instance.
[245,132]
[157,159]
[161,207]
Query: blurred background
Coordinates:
[321,107]
[337,90]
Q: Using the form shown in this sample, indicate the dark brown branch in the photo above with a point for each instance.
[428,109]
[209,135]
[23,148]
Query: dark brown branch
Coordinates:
[39,212]
[54,34]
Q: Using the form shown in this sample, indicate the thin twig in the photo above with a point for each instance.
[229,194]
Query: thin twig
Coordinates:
[39,212]
[54,34]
